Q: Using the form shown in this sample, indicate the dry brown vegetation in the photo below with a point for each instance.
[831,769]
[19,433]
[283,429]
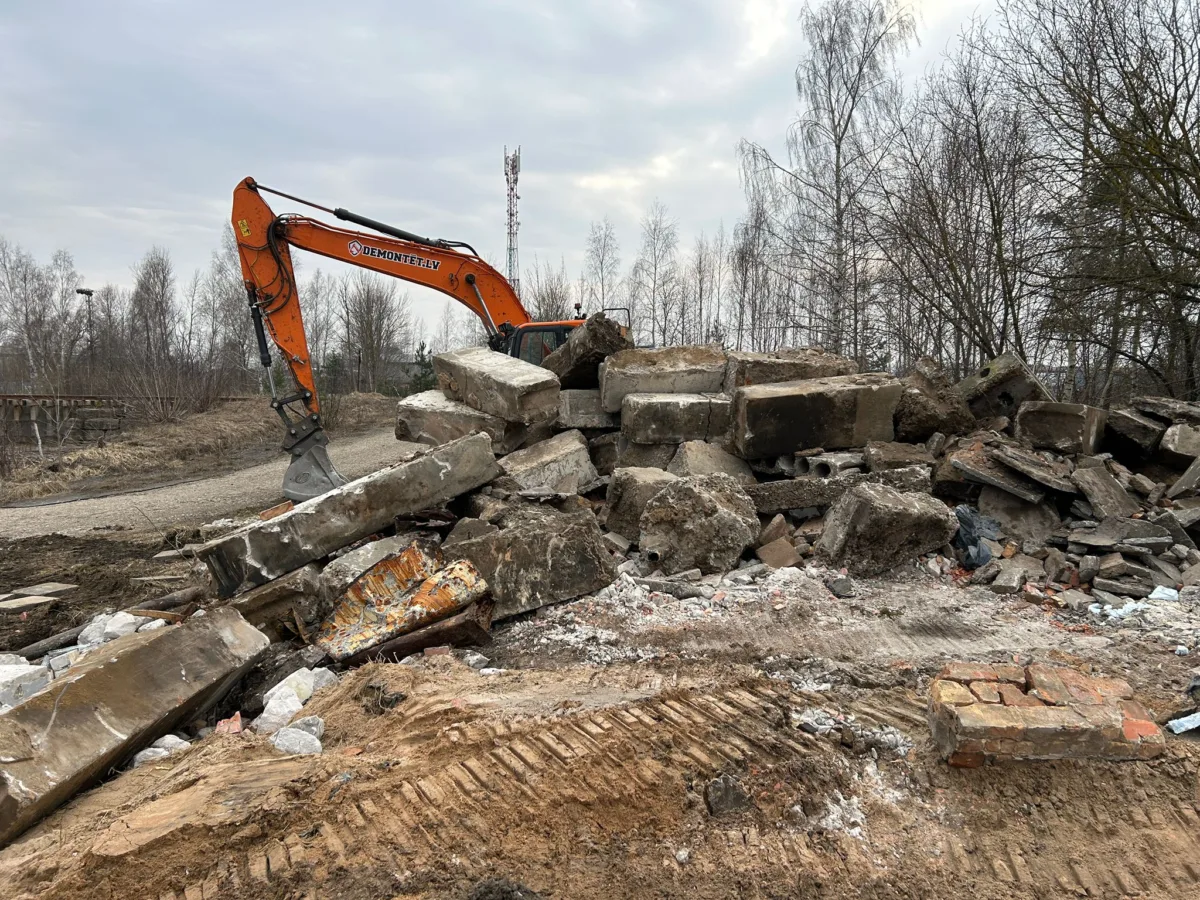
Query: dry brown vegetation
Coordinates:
[229,435]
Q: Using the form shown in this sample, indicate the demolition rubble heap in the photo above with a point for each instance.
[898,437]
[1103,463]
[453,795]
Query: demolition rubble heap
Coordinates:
[518,486]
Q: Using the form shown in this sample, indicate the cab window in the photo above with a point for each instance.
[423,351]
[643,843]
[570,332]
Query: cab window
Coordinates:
[536,345]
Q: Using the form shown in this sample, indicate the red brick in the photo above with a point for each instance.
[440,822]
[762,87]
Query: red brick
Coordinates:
[1051,723]
[1080,687]
[987,721]
[1105,720]
[1010,674]
[965,673]
[1046,685]
[1011,695]
[437,651]
[1136,722]
[986,691]
[1112,688]
[966,759]
[950,693]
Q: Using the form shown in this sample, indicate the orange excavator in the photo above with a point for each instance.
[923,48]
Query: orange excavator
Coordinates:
[452,267]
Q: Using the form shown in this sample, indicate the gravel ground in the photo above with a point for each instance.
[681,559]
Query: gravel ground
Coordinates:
[193,501]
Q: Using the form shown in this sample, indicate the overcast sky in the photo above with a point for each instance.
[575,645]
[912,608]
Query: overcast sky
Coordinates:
[127,123]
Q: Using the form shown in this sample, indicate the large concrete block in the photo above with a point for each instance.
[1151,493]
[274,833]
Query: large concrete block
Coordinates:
[562,463]
[882,455]
[833,413]
[273,608]
[931,404]
[532,564]
[1132,436]
[704,522]
[504,386]
[433,419]
[628,493]
[874,528]
[1168,409]
[673,418]
[644,456]
[315,528]
[605,450]
[1180,445]
[1062,427]
[112,704]
[342,572]
[821,493]
[1105,493]
[576,362]
[1020,521]
[792,364]
[582,409]
[703,458]
[668,370]
[1000,387]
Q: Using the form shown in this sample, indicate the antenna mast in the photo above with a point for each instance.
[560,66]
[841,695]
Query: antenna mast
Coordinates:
[512,168]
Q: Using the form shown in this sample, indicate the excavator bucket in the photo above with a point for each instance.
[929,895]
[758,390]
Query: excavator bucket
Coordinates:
[311,474]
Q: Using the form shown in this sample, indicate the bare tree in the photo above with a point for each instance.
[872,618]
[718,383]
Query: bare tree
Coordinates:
[654,294]
[548,294]
[603,261]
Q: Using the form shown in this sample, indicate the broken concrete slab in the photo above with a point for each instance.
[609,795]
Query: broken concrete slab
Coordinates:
[604,450]
[667,370]
[1186,483]
[504,386]
[644,456]
[792,364]
[561,463]
[1168,409]
[275,607]
[777,528]
[1131,435]
[628,493]
[704,458]
[1180,445]
[535,563]
[874,528]
[826,465]
[341,572]
[582,409]
[22,681]
[432,419]
[1052,474]
[882,455]
[975,465]
[576,362]
[930,404]
[45,589]
[674,418]
[467,528]
[821,493]
[1000,387]
[1015,572]
[1019,520]
[88,722]
[1070,428]
[20,604]
[258,553]
[467,628]
[703,521]
[834,413]
[1105,493]
[778,554]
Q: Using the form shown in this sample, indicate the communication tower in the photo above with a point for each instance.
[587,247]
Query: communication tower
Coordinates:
[512,168]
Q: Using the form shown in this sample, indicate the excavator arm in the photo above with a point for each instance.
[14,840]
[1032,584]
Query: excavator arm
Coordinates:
[264,240]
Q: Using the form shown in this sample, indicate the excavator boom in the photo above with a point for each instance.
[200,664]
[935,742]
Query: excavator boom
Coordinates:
[264,240]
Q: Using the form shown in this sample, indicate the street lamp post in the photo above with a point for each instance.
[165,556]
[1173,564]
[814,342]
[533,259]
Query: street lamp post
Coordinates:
[87,293]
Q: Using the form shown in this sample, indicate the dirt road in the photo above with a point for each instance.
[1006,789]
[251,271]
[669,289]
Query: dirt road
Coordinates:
[194,501]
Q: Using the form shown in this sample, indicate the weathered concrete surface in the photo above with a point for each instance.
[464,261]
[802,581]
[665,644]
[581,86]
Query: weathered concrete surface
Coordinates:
[628,493]
[778,554]
[112,704]
[267,550]
[975,465]
[1070,428]
[605,450]
[882,455]
[1131,435]
[1052,474]
[582,409]
[703,458]
[1000,387]
[534,563]
[669,370]
[825,465]
[930,404]
[821,493]
[274,607]
[1180,444]
[645,456]
[1176,412]
[833,413]
[505,387]
[341,573]
[1105,493]
[431,418]
[791,364]
[704,522]
[1020,521]
[1187,482]
[576,362]
[562,463]
[674,418]
[874,528]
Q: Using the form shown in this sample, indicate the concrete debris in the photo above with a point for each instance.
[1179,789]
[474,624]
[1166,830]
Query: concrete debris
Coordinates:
[674,418]
[703,521]
[779,554]
[1054,474]
[264,551]
[1169,410]
[433,419]
[501,385]
[274,607]
[704,458]
[279,710]
[577,362]
[777,528]
[467,528]
[150,754]
[821,493]
[582,409]
[470,627]
[882,455]
[823,465]
[1132,436]
[976,466]
[45,589]
[929,405]
[179,673]
[724,795]
[1187,482]
[1104,493]
[20,682]
[1000,387]
[296,742]
[834,413]
[628,493]
[605,450]
[644,456]
[1180,445]
[1062,427]
[562,463]
[668,370]
[874,528]
[745,368]
[1018,519]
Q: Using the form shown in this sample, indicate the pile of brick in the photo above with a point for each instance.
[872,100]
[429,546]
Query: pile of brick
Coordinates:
[979,713]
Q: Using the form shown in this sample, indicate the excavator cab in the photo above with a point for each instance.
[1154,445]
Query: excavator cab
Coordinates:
[533,343]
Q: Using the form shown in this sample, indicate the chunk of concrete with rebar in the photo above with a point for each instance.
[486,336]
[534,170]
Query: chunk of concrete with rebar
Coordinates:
[267,550]
[674,418]
[501,385]
[576,362]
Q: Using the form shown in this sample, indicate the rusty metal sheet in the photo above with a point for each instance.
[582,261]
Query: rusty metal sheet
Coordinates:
[398,595]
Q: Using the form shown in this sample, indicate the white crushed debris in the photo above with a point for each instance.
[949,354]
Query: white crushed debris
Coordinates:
[296,742]
[279,710]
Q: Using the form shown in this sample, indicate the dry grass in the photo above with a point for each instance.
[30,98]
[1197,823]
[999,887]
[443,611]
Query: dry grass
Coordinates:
[198,443]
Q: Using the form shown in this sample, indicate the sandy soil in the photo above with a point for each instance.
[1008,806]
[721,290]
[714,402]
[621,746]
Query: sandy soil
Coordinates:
[192,502]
